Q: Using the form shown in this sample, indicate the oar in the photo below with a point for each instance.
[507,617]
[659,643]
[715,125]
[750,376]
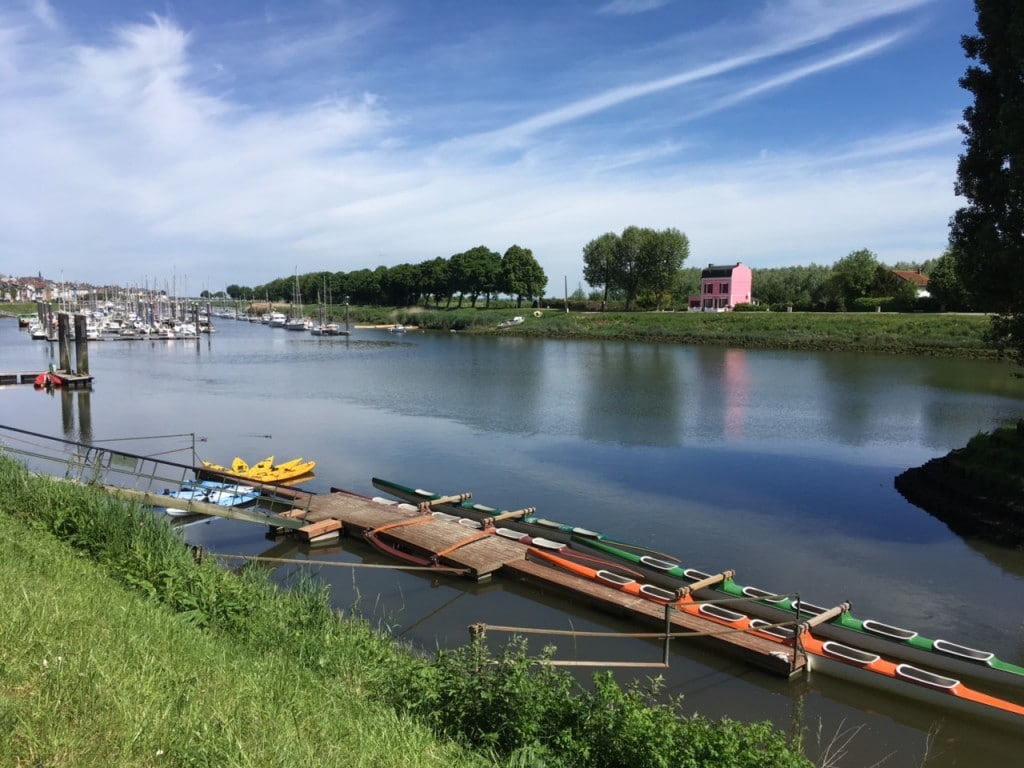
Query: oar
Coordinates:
[509,515]
[821,618]
[707,581]
[454,499]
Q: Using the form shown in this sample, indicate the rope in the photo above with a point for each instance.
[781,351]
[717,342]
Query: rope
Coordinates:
[336,564]
[660,635]
[468,540]
[401,523]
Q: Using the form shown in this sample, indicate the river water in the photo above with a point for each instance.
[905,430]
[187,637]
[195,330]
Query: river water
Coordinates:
[779,465]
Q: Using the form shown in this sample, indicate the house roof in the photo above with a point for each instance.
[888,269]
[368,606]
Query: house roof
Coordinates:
[713,270]
[911,276]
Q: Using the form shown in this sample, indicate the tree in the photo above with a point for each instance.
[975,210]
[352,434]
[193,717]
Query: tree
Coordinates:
[987,234]
[599,263]
[944,284]
[436,280]
[852,277]
[627,272]
[474,272]
[664,256]
[521,275]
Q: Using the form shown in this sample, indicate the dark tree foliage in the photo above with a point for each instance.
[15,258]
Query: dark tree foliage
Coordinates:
[988,233]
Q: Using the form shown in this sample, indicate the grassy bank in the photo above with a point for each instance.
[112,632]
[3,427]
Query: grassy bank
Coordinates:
[118,648]
[950,335]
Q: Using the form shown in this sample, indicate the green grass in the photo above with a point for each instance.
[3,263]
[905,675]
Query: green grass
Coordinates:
[916,334]
[118,648]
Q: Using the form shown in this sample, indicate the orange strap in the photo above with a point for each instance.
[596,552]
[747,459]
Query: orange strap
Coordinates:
[401,523]
[487,531]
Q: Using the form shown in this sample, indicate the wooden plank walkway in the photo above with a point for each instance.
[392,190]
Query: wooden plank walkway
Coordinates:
[458,545]
[767,654]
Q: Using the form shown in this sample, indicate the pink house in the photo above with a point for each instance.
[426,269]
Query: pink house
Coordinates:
[722,288]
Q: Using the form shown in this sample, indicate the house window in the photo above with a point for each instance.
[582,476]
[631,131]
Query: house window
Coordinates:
[709,288]
[723,288]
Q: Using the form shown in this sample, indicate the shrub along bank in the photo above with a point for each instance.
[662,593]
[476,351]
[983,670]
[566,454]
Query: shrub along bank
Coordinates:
[118,648]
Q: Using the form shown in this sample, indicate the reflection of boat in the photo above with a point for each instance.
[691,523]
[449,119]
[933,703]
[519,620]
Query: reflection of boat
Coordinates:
[669,573]
[210,492]
[827,656]
[265,471]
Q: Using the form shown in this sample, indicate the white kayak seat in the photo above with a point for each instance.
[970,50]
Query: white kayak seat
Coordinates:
[586,532]
[785,633]
[650,590]
[614,578]
[661,565]
[762,594]
[485,509]
[845,652]
[508,533]
[540,541]
[924,677]
[408,507]
[428,494]
[385,502]
[468,523]
[694,575]
[811,608]
[887,630]
[723,614]
[953,649]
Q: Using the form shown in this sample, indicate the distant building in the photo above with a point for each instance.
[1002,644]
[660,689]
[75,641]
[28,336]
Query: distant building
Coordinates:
[722,288]
[919,281]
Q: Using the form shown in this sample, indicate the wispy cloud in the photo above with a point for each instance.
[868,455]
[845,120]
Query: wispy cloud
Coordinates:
[630,7]
[127,156]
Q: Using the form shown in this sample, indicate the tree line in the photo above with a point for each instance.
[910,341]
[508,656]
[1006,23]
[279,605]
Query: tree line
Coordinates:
[470,275]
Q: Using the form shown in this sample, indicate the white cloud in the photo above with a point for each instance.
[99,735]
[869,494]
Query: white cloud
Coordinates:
[119,162]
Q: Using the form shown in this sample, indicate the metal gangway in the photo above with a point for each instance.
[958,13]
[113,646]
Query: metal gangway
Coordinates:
[145,478]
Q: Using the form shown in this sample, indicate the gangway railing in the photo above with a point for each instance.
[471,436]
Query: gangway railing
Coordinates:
[91,464]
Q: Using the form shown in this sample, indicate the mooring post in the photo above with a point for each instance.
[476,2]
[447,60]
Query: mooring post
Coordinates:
[63,332]
[81,345]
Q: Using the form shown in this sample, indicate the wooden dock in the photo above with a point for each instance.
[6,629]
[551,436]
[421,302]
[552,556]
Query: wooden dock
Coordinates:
[466,548]
[70,380]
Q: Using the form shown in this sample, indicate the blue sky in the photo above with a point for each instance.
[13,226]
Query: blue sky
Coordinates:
[212,143]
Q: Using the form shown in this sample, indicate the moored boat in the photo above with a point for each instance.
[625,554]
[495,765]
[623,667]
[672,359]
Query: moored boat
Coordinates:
[669,573]
[265,471]
[827,656]
[210,492]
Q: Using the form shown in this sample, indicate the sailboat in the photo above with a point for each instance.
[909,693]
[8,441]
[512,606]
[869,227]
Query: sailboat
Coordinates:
[295,321]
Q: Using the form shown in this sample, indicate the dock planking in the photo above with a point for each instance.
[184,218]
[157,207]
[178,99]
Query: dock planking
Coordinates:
[764,653]
[465,545]
[455,544]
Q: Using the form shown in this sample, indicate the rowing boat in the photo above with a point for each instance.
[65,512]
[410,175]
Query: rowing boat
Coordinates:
[870,634]
[668,572]
[523,520]
[827,656]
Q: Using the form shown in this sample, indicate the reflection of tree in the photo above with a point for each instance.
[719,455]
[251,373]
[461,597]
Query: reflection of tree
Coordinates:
[632,394]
